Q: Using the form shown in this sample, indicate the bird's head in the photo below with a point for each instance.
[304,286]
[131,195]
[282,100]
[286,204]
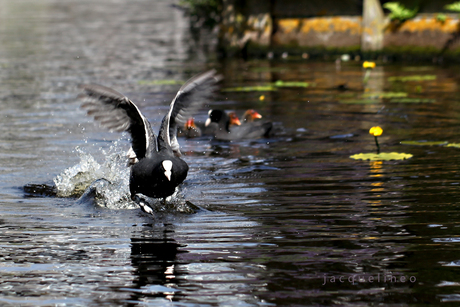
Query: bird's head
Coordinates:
[234,120]
[190,124]
[214,116]
[250,115]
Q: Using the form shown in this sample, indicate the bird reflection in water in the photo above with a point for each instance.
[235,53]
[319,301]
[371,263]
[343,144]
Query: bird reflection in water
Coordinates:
[155,263]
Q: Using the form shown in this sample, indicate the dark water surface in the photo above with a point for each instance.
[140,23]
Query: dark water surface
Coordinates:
[285,221]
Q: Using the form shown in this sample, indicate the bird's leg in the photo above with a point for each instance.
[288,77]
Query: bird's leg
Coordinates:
[143,203]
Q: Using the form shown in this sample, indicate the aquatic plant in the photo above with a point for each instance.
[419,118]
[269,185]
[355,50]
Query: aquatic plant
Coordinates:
[378,95]
[368,66]
[412,78]
[380,156]
[412,100]
[268,87]
[376,131]
[281,83]
[383,156]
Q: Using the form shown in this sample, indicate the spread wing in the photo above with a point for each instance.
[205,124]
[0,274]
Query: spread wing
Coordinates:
[116,112]
[190,97]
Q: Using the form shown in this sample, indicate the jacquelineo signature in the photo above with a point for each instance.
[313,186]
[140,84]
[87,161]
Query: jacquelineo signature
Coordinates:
[368,278]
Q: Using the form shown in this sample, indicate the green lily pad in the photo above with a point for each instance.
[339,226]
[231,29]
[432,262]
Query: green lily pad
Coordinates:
[260,88]
[385,95]
[383,156]
[456,145]
[281,83]
[159,82]
[424,143]
[359,101]
[413,78]
[268,87]
[412,100]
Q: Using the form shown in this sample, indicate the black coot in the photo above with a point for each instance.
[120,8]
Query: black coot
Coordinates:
[157,168]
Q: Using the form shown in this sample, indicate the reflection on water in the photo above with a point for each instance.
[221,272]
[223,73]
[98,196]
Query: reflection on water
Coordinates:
[289,220]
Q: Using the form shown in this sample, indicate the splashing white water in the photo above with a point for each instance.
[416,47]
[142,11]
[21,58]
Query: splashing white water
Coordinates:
[108,181]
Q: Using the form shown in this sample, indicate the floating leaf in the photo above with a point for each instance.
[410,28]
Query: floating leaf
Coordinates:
[413,78]
[424,143]
[383,156]
[281,83]
[360,101]
[456,145]
[269,87]
[159,82]
[261,88]
[412,100]
[385,95]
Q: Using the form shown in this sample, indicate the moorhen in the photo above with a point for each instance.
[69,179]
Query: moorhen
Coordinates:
[190,129]
[250,115]
[157,167]
[229,128]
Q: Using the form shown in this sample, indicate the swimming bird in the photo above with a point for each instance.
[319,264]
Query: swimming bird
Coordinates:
[219,123]
[250,115]
[191,129]
[229,128]
[253,128]
[157,168]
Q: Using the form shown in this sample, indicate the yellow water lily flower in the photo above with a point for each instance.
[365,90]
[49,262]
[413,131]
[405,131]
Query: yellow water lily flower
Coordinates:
[376,131]
[370,65]
[262,98]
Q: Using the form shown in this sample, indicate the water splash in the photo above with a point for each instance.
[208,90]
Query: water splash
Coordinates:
[107,183]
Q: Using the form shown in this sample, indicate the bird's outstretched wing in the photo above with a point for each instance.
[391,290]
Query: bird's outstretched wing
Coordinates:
[116,112]
[190,97]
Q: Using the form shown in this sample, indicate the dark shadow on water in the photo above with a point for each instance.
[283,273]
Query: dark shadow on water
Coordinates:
[39,190]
